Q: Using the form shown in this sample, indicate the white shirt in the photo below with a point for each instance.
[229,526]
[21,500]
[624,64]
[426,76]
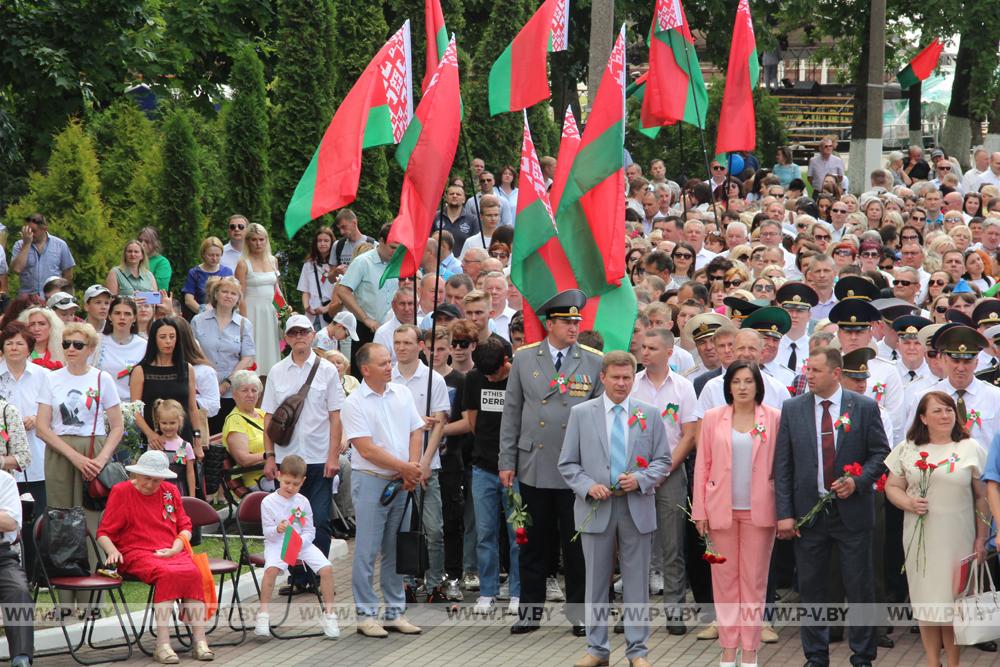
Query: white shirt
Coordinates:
[884,372]
[206,386]
[388,419]
[971,179]
[311,437]
[923,372]
[675,390]
[501,323]
[712,395]
[10,502]
[801,352]
[230,257]
[886,352]
[383,335]
[116,359]
[742,464]
[417,384]
[23,395]
[609,421]
[980,397]
[779,372]
[988,178]
[703,257]
[835,413]
[317,291]
[984,361]
[681,360]
[554,351]
[68,396]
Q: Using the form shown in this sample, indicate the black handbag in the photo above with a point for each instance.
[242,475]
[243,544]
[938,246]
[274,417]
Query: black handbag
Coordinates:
[63,544]
[215,459]
[97,490]
[411,545]
[324,302]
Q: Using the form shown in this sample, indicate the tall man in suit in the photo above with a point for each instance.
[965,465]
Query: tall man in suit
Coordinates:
[546,380]
[820,432]
[605,473]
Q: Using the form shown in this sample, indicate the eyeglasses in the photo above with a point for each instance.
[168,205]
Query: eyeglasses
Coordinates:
[718,167]
[461,344]
[902,283]
[870,254]
[822,237]
[298,332]
[75,344]
[944,167]
[843,253]
[234,227]
[910,237]
[763,288]
[941,309]
[683,255]
[717,278]
[742,258]
[732,283]
[838,210]
[918,218]
[937,283]
[499,255]
[469,260]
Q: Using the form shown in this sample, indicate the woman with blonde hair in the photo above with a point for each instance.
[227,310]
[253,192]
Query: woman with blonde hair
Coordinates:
[46,329]
[960,235]
[211,266]
[258,274]
[133,274]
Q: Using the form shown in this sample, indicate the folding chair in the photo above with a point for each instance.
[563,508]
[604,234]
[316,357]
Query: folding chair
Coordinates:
[202,515]
[248,513]
[96,585]
[183,637]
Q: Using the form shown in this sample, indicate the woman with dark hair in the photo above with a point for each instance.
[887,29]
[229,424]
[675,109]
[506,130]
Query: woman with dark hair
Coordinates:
[910,234]
[824,202]
[945,515]
[159,265]
[506,187]
[164,372]
[784,168]
[121,347]
[978,269]
[733,503]
[683,255]
[972,205]
[831,185]
[206,381]
[318,276]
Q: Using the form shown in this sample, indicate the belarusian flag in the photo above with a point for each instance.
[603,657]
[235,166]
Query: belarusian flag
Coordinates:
[737,121]
[922,66]
[278,300]
[426,154]
[375,112]
[437,39]
[291,546]
[569,145]
[520,76]
[673,68]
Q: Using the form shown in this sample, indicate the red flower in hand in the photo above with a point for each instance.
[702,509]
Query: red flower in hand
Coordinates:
[924,455]
[641,462]
[719,560]
[521,535]
[880,484]
[921,464]
[931,466]
[853,469]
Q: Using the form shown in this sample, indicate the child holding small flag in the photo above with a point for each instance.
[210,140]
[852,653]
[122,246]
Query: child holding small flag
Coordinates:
[289,529]
[168,418]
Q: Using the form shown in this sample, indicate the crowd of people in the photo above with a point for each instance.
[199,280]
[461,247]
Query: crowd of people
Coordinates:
[793,342]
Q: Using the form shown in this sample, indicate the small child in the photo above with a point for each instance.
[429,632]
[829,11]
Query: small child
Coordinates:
[168,418]
[279,512]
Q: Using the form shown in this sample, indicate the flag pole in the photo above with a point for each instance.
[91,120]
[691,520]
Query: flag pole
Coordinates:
[680,148]
[475,200]
[437,279]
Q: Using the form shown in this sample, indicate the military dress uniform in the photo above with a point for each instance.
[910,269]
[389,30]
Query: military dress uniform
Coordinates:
[536,411]
[991,374]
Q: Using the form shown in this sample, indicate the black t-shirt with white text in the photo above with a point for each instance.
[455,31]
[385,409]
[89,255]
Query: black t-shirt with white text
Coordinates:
[487,398]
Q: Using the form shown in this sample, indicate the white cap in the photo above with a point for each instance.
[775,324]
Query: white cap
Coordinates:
[95,290]
[298,322]
[62,301]
[348,321]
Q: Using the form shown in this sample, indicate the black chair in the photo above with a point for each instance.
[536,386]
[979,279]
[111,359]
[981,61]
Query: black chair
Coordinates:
[94,584]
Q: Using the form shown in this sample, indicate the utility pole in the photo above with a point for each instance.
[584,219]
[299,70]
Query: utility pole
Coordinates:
[602,34]
[916,115]
[866,133]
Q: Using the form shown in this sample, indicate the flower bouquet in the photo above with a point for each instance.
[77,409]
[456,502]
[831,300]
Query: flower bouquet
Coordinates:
[518,517]
[640,464]
[711,556]
[925,468]
[133,442]
[850,470]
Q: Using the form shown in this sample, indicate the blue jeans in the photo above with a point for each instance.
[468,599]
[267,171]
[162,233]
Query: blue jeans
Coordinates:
[489,496]
[433,521]
[377,526]
[319,491]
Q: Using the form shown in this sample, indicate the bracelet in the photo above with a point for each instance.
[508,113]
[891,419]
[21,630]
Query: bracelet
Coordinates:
[196,433]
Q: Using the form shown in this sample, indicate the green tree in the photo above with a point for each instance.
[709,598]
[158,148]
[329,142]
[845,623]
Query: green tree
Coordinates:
[180,195]
[370,31]
[69,195]
[144,189]
[210,141]
[247,141]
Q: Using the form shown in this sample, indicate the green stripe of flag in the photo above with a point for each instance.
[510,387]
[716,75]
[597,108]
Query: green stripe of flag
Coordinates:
[408,142]
[378,129]
[299,212]
[394,266]
[907,77]
[500,82]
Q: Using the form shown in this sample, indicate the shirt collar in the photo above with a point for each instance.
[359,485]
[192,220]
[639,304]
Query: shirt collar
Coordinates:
[835,400]
[553,350]
[420,372]
[609,404]
[365,390]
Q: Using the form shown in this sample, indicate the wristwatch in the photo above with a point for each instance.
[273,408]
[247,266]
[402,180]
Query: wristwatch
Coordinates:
[267,454]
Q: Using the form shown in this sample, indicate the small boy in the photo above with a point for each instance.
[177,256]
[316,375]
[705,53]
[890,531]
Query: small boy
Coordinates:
[279,512]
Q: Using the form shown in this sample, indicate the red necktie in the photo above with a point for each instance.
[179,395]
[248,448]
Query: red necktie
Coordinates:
[826,439]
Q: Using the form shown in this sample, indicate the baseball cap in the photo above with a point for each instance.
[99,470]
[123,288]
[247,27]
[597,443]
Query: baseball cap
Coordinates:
[937,152]
[447,310]
[298,322]
[61,301]
[349,322]
[95,290]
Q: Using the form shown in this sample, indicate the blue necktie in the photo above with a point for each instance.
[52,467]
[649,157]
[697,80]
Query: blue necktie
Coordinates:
[618,444]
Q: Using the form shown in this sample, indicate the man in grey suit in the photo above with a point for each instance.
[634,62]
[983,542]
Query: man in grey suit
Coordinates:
[546,380]
[614,477]
[820,432]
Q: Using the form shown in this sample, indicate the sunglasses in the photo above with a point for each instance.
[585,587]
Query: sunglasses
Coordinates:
[843,253]
[918,218]
[499,255]
[910,237]
[297,332]
[902,283]
[683,255]
[461,344]
[869,253]
[822,237]
[941,309]
[75,344]
[234,227]
[718,167]
[742,258]
[937,283]
[732,283]
[838,210]
[763,288]
[944,168]
[717,279]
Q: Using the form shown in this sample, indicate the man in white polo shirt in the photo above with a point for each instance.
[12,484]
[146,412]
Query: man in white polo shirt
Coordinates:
[382,423]
[316,434]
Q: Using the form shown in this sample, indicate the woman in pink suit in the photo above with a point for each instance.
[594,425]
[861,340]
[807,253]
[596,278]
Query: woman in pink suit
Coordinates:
[734,506]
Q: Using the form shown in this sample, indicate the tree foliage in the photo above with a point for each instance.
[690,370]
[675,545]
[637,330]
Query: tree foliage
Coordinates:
[69,195]
[247,141]
[180,195]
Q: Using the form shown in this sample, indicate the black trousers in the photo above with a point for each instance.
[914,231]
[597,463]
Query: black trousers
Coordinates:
[365,335]
[453,511]
[812,557]
[28,548]
[17,605]
[552,521]
[698,572]
[216,423]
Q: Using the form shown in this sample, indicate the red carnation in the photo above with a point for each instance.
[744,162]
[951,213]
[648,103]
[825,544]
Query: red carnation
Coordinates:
[924,455]
[880,484]
[709,558]
[521,535]
[921,464]
[641,462]
[853,469]
[931,466]
[719,560]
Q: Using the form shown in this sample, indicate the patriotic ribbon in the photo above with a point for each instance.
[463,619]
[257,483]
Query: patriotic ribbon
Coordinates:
[951,461]
[975,417]
[638,416]
[180,458]
[297,516]
[92,395]
[845,421]
[125,371]
[759,430]
[673,411]
[560,381]
[168,507]
[4,435]
[879,391]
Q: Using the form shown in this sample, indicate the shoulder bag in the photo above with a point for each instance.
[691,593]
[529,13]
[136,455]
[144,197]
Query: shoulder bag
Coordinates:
[411,545]
[977,612]
[323,302]
[284,417]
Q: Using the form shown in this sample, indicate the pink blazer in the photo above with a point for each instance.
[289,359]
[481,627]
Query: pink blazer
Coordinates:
[713,471]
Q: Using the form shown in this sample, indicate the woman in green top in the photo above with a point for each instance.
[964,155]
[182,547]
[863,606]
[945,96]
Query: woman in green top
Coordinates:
[133,274]
[158,264]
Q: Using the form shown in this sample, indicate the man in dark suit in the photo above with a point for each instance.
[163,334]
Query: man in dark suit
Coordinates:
[821,432]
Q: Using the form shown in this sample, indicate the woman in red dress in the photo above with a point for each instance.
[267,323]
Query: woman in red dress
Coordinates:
[141,533]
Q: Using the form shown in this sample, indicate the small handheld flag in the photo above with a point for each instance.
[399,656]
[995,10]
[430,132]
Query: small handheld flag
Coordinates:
[292,545]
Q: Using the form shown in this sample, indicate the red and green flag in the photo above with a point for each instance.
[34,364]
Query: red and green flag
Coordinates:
[675,89]
[922,66]
[520,76]
[426,153]
[737,121]
[375,112]
[437,39]
[291,546]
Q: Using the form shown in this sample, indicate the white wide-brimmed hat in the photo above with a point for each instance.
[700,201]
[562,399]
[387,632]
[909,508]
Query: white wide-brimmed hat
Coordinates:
[153,463]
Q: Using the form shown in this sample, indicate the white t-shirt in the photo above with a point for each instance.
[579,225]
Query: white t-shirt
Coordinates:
[76,404]
[311,437]
[23,394]
[308,285]
[206,386]
[388,419]
[417,384]
[116,359]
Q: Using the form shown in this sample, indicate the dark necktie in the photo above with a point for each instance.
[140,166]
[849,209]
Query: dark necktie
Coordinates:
[895,355]
[826,438]
[793,358]
[558,361]
[963,416]
[913,375]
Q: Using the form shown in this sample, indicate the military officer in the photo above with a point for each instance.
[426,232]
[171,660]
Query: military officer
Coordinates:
[701,329]
[912,366]
[740,309]
[887,344]
[772,323]
[991,374]
[797,299]
[546,380]
[855,287]
[986,314]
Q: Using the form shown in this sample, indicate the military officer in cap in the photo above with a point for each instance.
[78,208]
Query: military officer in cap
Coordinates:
[701,329]
[991,375]
[882,331]
[772,323]
[546,380]
[978,402]
[855,378]
[855,287]
[740,309]
[986,314]
[797,299]
[854,317]
[749,347]
[912,366]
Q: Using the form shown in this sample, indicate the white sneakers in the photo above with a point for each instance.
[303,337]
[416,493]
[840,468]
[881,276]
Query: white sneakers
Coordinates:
[484,605]
[655,582]
[263,626]
[512,606]
[553,593]
[330,627]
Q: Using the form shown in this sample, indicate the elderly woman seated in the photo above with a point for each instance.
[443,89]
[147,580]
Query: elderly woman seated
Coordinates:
[143,531]
[243,431]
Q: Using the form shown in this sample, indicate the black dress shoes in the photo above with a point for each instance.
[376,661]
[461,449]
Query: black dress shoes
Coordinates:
[885,641]
[579,630]
[989,647]
[676,628]
[523,627]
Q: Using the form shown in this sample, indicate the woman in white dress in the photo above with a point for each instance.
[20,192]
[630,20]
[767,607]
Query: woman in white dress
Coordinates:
[257,272]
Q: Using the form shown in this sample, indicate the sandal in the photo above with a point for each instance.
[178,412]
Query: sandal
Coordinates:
[165,655]
[202,652]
